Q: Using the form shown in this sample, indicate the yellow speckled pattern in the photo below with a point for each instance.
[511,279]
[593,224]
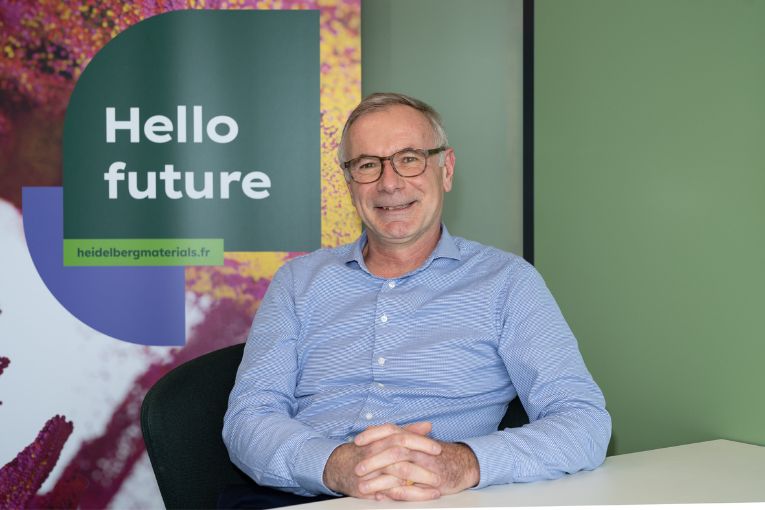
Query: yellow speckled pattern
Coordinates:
[244,276]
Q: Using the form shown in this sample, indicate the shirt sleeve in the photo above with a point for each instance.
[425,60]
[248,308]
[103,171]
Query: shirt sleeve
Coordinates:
[569,426]
[262,437]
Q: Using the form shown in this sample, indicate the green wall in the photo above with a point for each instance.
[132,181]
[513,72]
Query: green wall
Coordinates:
[464,58]
[650,185]
[650,207]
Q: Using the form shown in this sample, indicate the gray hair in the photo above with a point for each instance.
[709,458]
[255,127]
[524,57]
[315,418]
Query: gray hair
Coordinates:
[382,100]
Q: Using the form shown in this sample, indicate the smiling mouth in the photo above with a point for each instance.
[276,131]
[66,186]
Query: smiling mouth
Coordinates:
[395,207]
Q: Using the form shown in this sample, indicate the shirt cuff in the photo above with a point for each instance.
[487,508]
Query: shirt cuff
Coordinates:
[493,463]
[308,464]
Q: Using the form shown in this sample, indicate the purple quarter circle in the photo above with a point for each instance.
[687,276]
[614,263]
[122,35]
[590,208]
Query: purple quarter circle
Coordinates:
[142,305]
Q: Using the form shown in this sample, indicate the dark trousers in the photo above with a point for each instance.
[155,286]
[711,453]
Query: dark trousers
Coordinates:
[253,496]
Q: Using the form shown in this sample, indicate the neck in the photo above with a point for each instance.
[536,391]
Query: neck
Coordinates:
[386,260]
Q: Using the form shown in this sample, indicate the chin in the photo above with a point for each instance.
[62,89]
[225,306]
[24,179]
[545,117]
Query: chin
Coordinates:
[396,237]
[392,235]
[398,231]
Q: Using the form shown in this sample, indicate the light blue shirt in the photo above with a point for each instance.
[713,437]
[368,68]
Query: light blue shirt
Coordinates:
[334,349]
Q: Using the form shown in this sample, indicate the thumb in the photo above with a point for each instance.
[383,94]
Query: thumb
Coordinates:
[421,428]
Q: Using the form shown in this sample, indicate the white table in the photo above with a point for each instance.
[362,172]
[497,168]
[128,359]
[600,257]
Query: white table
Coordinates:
[717,471]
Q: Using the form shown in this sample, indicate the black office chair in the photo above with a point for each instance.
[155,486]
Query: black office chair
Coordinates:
[182,420]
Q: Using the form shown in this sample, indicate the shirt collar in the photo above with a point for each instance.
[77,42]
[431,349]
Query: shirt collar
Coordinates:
[446,248]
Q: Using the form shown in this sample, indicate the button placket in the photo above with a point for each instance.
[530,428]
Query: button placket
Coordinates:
[381,330]
[385,331]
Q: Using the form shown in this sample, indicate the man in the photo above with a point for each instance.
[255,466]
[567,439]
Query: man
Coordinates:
[381,369]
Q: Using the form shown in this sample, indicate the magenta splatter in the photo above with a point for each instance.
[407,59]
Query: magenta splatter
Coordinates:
[4,362]
[66,494]
[22,477]
[107,460]
[46,45]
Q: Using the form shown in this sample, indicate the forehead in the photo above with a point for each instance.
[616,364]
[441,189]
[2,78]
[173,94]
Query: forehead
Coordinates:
[383,132]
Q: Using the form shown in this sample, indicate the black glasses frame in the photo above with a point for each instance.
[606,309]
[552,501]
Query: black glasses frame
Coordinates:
[427,152]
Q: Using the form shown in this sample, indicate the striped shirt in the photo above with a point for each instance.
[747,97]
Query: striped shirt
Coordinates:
[334,349]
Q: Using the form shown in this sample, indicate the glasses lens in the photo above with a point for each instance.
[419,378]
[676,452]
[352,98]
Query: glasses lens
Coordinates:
[410,162]
[365,169]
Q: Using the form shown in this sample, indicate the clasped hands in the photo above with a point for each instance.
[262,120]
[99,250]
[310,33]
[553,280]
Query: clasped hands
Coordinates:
[401,463]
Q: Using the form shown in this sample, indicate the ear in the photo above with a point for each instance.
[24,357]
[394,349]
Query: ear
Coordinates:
[447,170]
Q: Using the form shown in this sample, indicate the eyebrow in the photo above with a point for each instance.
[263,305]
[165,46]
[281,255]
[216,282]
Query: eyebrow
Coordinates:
[376,156]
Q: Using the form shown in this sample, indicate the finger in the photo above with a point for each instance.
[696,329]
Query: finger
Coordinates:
[380,483]
[384,483]
[422,428]
[403,438]
[411,493]
[379,432]
[414,474]
[381,460]
[425,460]
[405,473]
[376,433]
[396,453]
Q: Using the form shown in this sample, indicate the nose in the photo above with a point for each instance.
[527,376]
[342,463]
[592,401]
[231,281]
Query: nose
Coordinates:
[389,180]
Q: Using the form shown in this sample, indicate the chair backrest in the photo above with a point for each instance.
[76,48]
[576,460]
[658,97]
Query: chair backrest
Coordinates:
[182,420]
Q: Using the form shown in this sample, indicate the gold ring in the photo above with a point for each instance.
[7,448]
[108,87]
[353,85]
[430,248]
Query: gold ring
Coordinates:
[409,482]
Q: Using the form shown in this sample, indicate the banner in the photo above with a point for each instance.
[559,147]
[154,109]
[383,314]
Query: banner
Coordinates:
[165,163]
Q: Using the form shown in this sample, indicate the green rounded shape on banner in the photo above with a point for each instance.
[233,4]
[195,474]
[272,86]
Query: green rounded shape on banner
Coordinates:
[199,125]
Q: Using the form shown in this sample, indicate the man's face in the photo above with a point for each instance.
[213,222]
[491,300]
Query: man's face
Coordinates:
[399,211]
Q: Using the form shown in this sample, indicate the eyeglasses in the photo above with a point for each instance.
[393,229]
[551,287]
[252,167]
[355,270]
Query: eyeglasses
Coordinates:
[406,163]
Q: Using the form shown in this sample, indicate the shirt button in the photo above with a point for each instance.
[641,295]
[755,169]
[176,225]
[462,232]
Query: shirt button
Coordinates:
[384,319]
[381,361]
[369,416]
[380,385]
[391,284]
